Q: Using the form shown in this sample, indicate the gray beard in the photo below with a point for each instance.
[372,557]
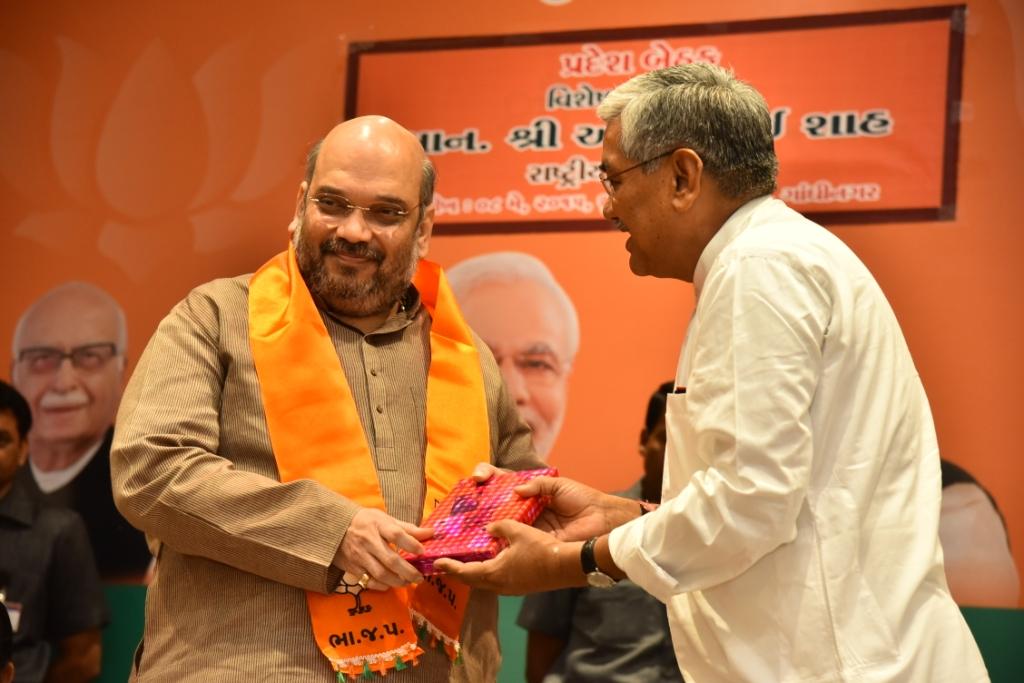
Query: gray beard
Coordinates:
[346,296]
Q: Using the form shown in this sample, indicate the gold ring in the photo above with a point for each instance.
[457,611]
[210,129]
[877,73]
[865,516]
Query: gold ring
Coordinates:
[363,581]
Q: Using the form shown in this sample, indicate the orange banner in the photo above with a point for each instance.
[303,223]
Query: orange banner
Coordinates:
[861,107]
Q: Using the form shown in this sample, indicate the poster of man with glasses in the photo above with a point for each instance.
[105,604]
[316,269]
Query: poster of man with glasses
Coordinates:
[68,360]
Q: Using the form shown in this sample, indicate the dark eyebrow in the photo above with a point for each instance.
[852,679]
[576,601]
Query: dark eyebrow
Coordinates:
[327,189]
[37,349]
[389,199]
[385,198]
[56,349]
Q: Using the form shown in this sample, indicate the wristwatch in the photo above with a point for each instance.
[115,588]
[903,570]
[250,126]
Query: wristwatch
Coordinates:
[595,577]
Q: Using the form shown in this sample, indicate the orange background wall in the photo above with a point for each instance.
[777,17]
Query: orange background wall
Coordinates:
[148,147]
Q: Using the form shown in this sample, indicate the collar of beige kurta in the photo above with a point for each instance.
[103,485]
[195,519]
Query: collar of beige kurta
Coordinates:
[316,434]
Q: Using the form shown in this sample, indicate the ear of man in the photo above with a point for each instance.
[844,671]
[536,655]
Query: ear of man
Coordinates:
[426,228]
[688,173]
[300,200]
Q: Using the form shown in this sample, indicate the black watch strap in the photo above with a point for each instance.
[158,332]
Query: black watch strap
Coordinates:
[587,559]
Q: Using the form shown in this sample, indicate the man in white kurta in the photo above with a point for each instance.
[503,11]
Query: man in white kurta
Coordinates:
[797,539]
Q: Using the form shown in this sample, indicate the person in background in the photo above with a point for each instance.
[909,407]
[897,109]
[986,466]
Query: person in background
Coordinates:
[798,534]
[512,300]
[68,361]
[975,543]
[48,578]
[620,635]
[284,432]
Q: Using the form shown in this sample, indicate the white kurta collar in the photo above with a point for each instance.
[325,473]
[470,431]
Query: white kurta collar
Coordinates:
[732,227]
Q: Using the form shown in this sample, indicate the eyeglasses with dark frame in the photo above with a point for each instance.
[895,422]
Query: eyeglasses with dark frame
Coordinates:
[43,360]
[381,216]
[606,179]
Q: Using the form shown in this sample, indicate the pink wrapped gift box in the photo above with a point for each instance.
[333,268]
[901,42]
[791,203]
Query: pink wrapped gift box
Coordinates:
[460,520]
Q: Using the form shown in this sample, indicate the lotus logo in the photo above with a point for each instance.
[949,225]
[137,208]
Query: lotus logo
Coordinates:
[158,154]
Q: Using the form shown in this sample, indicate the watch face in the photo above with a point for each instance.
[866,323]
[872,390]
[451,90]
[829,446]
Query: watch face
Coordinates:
[600,580]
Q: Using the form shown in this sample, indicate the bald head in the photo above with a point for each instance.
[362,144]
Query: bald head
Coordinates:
[380,132]
[374,137]
[71,304]
[68,362]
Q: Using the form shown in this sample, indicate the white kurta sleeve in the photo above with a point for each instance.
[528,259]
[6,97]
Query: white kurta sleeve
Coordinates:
[743,428]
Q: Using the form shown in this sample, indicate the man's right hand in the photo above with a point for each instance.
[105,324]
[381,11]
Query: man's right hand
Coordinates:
[369,548]
[576,511]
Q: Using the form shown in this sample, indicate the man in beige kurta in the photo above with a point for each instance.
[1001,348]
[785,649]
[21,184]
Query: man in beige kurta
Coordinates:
[193,465]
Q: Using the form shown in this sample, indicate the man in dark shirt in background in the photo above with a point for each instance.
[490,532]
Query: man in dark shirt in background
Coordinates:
[618,634]
[48,578]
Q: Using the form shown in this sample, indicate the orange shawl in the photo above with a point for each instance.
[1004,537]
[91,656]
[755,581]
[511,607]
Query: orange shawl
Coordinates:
[316,434]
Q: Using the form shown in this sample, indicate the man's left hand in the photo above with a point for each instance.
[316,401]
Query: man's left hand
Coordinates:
[534,561]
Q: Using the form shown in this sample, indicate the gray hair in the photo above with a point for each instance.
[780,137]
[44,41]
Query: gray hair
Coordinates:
[703,107]
[509,266]
[426,184]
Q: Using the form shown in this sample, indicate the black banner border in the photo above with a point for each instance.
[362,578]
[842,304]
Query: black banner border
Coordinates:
[955,14]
